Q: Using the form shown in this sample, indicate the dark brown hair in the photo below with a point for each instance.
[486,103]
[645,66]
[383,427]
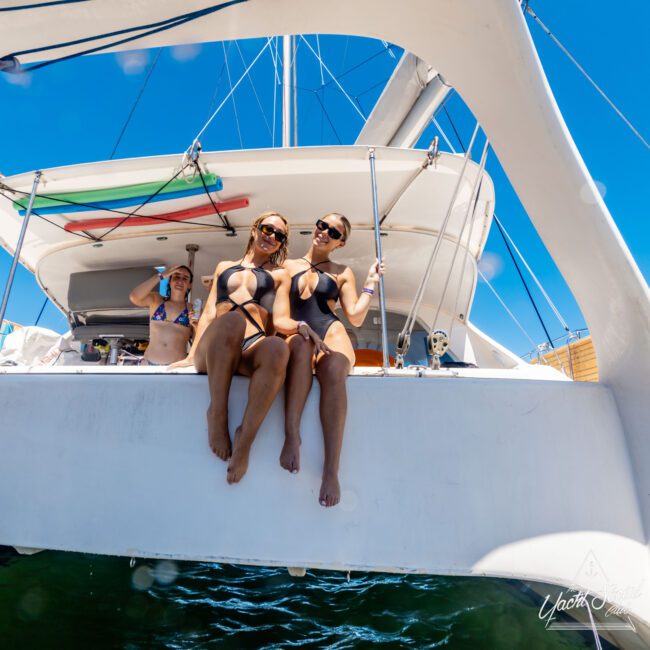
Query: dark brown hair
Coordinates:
[168,293]
[277,258]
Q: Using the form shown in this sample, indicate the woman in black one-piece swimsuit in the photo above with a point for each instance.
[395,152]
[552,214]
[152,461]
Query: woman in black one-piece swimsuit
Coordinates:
[317,284]
[231,338]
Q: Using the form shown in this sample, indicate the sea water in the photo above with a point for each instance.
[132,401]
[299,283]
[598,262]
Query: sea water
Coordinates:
[69,600]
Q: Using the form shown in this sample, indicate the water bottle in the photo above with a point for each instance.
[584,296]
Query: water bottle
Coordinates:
[196,308]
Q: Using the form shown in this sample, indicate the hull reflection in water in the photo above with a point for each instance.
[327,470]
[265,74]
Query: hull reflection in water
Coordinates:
[68,600]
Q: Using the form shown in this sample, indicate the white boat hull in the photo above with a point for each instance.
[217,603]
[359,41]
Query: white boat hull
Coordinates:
[468,476]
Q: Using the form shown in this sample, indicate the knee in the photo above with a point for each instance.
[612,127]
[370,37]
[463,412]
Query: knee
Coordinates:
[301,348]
[276,353]
[333,368]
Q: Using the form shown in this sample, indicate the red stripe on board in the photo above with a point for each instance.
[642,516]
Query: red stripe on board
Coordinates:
[181,215]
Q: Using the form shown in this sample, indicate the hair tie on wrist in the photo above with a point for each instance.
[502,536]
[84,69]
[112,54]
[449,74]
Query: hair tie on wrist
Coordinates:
[370,292]
[161,277]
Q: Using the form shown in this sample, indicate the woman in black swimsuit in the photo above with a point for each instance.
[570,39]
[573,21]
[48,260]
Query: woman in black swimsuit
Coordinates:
[232,338]
[317,284]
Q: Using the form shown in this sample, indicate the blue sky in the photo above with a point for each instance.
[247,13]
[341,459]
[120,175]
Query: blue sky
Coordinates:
[73,112]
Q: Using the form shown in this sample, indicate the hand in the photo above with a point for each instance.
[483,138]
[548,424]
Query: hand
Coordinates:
[183,363]
[168,272]
[375,272]
[308,333]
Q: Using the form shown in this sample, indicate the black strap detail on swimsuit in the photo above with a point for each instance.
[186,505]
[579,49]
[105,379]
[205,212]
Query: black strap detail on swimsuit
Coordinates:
[315,310]
[263,296]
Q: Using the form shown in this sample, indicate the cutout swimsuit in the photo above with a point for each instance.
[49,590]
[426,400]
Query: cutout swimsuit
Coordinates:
[263,296]
[315,309]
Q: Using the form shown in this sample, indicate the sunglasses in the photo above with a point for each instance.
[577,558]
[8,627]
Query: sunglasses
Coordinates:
[270,231]
[332,232]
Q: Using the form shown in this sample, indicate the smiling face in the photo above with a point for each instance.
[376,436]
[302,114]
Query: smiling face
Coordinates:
[180,283]
[331,232]
[269,236]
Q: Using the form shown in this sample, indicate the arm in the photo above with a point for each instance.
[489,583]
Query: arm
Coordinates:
[209,311]
[144,294]
[356,307]
[207,316]
[281,314]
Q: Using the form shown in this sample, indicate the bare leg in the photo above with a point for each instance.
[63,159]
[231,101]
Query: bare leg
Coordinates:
[219,354]
[298,385]
[332,371]
[266,363]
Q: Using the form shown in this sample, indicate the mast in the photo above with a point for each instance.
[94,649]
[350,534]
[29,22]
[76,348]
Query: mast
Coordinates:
[286,91]
[294,70]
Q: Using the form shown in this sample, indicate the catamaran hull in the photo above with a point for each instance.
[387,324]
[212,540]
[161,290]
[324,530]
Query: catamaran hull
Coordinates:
[471,476]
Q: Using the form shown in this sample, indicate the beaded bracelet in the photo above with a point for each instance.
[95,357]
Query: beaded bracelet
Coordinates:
[368,291]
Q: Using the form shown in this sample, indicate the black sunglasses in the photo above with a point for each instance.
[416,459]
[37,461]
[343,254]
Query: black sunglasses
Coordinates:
[270,231]
[332,232]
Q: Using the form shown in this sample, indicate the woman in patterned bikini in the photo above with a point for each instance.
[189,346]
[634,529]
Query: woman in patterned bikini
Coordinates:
[317,284]
[170,329]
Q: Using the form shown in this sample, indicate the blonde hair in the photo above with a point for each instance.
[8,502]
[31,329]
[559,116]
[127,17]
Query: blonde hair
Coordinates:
[277,258]
[347,228]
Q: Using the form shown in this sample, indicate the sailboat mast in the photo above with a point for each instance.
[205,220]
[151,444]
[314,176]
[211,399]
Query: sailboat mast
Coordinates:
[286,91]
[294,70]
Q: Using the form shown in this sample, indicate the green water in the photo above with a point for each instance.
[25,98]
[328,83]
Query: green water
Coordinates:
[67,600]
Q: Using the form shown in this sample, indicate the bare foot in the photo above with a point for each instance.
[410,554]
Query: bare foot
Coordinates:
[239,460]
[290,454]
[330,490]
[218,436]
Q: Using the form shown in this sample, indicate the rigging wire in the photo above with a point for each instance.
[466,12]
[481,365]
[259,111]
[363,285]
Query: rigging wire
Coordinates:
[227,97]
[152,28]
[160,189]
[322,78]
[537,282]
[521,277]
[336,81]
[528,10]
[224,220]
[362,63]
[444,135]
[532,300]
[218,84]
[135,104]
[327,115]
[53,223]
[503,304]
[231,94]
[259,103]
[39,5]
[40,313]
[275,94]
[453,126]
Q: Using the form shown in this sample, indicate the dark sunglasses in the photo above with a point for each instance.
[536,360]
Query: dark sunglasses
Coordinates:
[332,232]
[270,231]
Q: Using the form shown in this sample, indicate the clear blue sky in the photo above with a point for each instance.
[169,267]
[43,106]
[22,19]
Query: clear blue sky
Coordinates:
[73,112]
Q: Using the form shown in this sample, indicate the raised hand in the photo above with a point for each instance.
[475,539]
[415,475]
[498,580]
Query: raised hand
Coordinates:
[376,271]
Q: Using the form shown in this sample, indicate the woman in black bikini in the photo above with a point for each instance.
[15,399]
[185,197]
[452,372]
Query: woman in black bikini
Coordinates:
[170,328]
[317,284]
[232,338]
